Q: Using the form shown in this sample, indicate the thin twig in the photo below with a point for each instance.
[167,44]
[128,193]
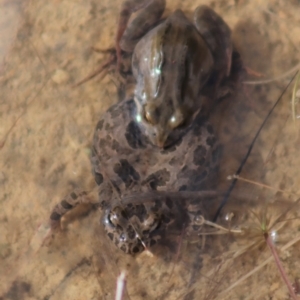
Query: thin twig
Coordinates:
[261,184]
[101,69]
[280,267]
[294,98]
[243,278]
[265,81]
[221,227]
[3,140]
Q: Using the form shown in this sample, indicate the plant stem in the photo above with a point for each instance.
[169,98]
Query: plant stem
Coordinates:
[280,267]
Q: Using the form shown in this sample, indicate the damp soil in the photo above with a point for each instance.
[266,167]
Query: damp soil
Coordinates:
[46,128]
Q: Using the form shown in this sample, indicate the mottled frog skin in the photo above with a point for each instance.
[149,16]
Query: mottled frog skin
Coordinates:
[126,162]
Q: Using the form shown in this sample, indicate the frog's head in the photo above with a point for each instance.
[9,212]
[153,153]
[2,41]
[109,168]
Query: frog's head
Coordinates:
[160,120]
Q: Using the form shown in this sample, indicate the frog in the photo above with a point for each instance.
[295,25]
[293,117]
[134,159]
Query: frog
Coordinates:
[150,149]
[137,182]
[173,62]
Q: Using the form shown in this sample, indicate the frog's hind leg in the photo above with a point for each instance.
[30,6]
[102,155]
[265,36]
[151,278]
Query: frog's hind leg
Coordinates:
[217,34]
[67,204]
[150,12]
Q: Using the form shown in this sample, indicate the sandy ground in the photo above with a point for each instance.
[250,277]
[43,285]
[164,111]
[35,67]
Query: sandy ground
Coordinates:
[46,127]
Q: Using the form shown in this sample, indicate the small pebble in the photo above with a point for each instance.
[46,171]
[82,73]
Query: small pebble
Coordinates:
[60,76]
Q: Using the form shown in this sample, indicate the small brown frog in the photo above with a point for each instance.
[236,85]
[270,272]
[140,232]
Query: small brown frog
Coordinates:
[172,61]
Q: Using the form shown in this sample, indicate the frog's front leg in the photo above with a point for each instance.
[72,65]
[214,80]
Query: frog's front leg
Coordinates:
[128,35]
[217,34]
[68,203]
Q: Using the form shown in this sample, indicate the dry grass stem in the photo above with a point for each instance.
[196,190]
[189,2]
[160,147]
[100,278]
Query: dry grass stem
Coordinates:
[280,77]
[260,184]
[295,88]
[221,228]
[121,282]
[280,267]
[256,269]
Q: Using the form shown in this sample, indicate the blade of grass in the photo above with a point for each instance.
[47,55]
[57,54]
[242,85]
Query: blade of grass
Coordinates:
[294,98]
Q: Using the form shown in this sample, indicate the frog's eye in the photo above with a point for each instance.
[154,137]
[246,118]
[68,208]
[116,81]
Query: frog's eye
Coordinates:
[151,113]
[176,119]
[149,117]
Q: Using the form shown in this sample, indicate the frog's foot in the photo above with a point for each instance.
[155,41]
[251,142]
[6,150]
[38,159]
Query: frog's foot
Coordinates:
[110,65]
[67,204]
[226,85]
[148,14]
[217,34]
[103,69]
[46,231]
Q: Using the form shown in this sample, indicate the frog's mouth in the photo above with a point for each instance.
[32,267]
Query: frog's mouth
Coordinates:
[161,138]
[174,138]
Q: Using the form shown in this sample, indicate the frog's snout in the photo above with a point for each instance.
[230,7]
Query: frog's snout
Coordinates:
[159,139]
